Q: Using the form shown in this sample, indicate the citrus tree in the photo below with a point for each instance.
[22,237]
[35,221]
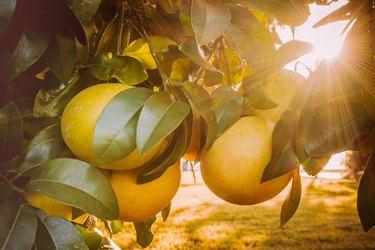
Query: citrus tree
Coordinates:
[99,100]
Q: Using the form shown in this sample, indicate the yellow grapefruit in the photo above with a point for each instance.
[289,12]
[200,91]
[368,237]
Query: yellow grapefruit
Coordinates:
[233,166]
[50,206]
[139,202]
[79,119]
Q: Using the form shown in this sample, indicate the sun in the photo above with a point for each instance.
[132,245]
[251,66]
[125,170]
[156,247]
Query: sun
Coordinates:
[327,39]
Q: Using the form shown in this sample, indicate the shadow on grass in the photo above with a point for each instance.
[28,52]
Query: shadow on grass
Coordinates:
[326,219]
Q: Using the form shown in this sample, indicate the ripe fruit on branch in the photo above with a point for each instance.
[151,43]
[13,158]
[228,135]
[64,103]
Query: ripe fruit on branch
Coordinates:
[50,206]
[233,167]
[79,119]
[139,202]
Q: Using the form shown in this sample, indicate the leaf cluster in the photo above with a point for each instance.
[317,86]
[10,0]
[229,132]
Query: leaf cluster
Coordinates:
[214,56]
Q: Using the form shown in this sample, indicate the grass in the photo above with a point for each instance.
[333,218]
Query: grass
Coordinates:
[326,219]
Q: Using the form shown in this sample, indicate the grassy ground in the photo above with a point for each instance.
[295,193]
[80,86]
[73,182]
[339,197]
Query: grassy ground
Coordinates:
[326,219]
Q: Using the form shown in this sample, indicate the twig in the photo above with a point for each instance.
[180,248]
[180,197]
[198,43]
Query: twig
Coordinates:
[14,187]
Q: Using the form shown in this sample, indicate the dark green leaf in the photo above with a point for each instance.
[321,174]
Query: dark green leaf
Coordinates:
[337,128]
[92,239]
[56,233]
[11,132]
[228,107]
[210,19]
[313,165]
[60,55]
[51,103]
[113,29]
[291,202]
[165,212]
[201,100]
[192,50]
[75,183]
[5,192]
[18,226]
[85,9]
[143,230]
[7,8]
[284,158]
[159,117]
[366,195]
[172,154]
[30,47]
[330,81]
[124,68]
[115,131]
[46,145]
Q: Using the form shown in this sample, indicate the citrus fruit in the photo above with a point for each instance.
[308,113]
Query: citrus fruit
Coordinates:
[233,166]
[139,202]
[79,119]
[50,206]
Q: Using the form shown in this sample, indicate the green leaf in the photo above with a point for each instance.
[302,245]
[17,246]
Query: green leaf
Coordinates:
[366,195]
[51,102]
[46,145]
[140,50]
[30,47]
[60,54]
[7,8]
[159,117]
[313,165]
[116,226]
[124,68]
[291,202]
[165,212]
[210,19]
[201,100]
[85,9]
[6,191]
[75,183]
[337,128]
[115,131]
[284,158]
[11,132]
[107,43]
[56,233]
[18,226]
[172,154]
[228,107]
[143,230]
[192,50]
[259,47]
[92,239]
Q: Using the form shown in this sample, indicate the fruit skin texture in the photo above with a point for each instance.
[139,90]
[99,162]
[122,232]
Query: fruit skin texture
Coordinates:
[78,124]
[50,206]
[233,166]
[139,202]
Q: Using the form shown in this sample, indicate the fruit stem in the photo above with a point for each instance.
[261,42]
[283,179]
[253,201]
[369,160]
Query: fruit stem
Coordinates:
[14,187]
[227,65]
